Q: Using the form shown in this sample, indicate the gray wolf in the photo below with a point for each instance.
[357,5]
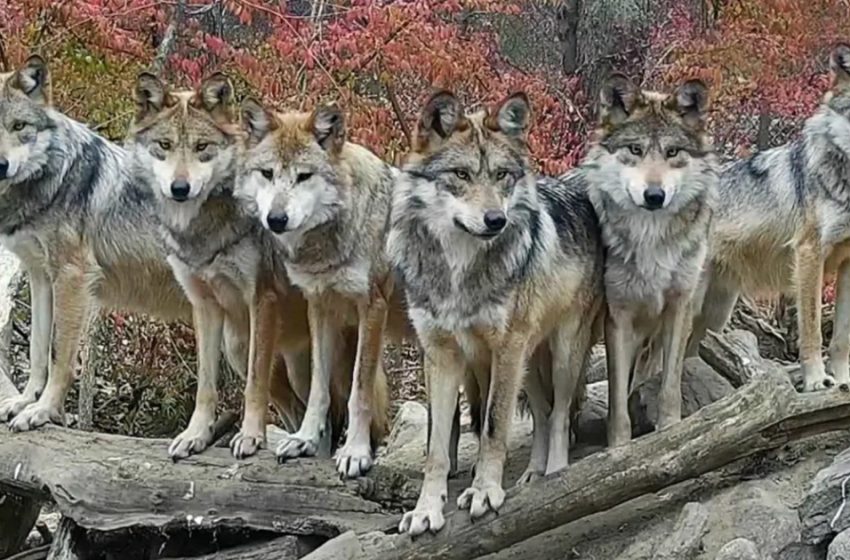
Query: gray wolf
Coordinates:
[185,145]
[84,228]
[326,203]
[652,178]
[495,265]
[782,223]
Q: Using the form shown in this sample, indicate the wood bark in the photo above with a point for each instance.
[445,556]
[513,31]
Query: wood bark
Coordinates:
[735,355]
[18,515]
[763,415]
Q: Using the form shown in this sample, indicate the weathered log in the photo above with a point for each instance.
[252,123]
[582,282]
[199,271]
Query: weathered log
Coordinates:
[684,541]
[18,515]
[284,548]
[39,553]
[763,415]
[344,547]
[734,355]
[116,485]
[825,510]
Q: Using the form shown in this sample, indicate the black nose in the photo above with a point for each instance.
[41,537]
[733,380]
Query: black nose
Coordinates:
[277,222]
[180,190]
[654,197]
[4,167]
[495,220]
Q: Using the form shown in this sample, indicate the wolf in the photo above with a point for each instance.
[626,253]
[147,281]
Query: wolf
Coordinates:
[325,201]
[652,177]
[186,145]
[498,267]
[782,223]
[83,227]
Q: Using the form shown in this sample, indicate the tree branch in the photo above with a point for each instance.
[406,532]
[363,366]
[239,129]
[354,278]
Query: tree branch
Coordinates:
[169,37]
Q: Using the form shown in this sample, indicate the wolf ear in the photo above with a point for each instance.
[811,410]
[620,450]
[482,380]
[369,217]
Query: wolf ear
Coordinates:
[257,122]
[216,96]
[440,118]
[33,80]
[328,127]
[691,101]
[839,63]
[151,95]
[513,117]
[617,99]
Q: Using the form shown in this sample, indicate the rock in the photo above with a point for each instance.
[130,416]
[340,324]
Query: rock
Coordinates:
[799,551]
[683,541]
[410,421]
[701,386]
[597,369]
[839,548]
[739,549]
[10,274]
[593,418]
[753,510]
[824,512]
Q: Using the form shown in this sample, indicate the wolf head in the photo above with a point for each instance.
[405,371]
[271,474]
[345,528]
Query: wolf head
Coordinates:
[837,99]
[466,173]
[186,143]
[291,167]
[649,147]
[26,126]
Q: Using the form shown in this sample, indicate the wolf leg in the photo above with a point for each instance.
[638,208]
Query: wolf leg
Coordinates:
[839,346]
[41,303]
[675,328]
[444,369]
[622,343]
[263,335]
[809,283]
[715,309]
[486,492]
[355,457]
[570,346]
[540,412]
[72,296]
[325,341]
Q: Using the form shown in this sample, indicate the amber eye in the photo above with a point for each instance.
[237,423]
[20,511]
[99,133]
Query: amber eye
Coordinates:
[462,174]
[301,177]
[201,146]
[672,152]
[19,126]
[164,144]
[636,149]
[267,173]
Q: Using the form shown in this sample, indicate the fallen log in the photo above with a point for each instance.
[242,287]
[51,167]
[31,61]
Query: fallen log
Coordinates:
[18,515]
[733,355]
[114,486]
[763,415]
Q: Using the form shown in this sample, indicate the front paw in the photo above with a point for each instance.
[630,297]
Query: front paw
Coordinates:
[245,444]
[481,498]
[37,414]
[296,445]
[12,406]
[194,439]
[530,475]
[354,460]
[816,379]
[428,516]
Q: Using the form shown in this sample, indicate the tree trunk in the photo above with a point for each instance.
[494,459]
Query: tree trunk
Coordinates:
[18,515]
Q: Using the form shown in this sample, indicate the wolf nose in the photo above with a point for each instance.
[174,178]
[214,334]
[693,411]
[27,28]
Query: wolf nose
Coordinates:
[277,223]
[654,197]
[4,168]
[180,190]
[495,220]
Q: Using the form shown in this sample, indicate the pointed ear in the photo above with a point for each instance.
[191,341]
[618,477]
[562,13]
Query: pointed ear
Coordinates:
[151,96]
[617,99]
[215,95]
[839,63]
[257,121]
[328,126]
[441,116]
[33,80]
[512,117]
[691,102]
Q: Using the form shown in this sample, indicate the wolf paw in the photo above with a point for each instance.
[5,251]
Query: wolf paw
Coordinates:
[194,439]
[426,517]
[245,444]
[12,406]
[529,476]
[480,498]
[295,445]
[37,414]
[354,460]
[818,383]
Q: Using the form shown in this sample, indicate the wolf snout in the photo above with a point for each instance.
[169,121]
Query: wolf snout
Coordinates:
[180,190]
[4,167]
[277,222]
[495,221]
[654,197]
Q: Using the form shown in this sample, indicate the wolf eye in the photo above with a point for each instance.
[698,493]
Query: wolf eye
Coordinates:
[201,146]
[462,174]
[636,149]
[267,173]
[19,126]
[164,144]
[673,152]
[501,174]
[301,177]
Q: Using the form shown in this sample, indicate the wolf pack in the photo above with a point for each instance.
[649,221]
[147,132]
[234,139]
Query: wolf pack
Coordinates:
[298,254]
